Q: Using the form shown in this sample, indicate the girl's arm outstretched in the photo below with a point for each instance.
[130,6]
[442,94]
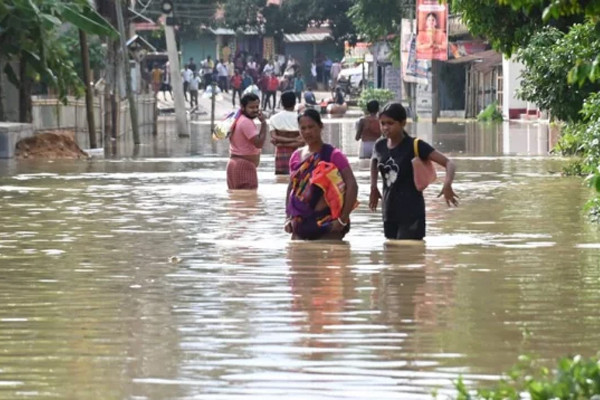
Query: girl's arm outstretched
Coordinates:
[449,195]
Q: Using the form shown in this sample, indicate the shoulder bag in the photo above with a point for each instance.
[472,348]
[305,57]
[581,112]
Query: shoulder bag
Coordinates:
[423,171]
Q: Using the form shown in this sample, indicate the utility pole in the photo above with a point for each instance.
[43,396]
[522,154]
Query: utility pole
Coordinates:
[435,93]
[89,97]
[180,116]
[213,96]
[130,96]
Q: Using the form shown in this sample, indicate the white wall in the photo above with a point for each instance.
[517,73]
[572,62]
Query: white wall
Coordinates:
[511,72]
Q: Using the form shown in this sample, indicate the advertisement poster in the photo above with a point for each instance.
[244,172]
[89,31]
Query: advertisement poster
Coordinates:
[432,30]
[416,71]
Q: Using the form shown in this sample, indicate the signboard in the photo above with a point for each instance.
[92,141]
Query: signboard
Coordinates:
[416,71]
[357,53]
[432,30]
[392,81]
[268,47]
[461,48]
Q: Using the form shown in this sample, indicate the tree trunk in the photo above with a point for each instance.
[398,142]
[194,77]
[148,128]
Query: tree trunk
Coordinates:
[25,86]
[89,96]
[107,10]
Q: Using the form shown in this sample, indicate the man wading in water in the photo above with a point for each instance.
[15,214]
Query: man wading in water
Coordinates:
[245,145]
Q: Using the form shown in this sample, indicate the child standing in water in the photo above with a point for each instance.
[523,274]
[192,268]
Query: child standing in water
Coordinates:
[403,205]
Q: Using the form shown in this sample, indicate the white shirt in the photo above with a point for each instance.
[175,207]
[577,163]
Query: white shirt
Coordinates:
[188,75]
[284,121]
[268,69]
[222,69]
[195,83]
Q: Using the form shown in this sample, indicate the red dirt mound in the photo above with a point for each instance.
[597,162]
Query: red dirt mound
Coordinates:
[49,145]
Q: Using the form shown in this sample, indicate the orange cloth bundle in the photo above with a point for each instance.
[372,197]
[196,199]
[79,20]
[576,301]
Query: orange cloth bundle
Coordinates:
[327,177]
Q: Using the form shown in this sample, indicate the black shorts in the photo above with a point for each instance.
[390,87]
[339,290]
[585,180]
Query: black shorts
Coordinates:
[399,231]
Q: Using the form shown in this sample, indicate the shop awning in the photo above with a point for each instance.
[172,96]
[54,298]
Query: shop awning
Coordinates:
[482,56]
[306,37]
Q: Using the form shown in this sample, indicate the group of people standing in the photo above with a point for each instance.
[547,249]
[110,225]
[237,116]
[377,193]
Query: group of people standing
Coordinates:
[322,190]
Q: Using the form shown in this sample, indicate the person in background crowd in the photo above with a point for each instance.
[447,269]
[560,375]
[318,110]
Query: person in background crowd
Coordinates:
[298,86]
[192,65]
[327,71]
[336,68]
[156,74]
[262,84]
[236,86]
[187,76]
[247,81]
[230,71]
[269,68]
[272,86]
[222,75]
[207,71]
[309,97]
[194,87]
[166,82]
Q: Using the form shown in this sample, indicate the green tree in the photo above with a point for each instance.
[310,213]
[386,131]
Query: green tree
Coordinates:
[548,59]
[292,16]
[97,51]
[507,28]
[333,13]
[29,35]
[189,15]
[374,19]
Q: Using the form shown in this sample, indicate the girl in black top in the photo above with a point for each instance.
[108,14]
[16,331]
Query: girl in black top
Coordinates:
[403,205]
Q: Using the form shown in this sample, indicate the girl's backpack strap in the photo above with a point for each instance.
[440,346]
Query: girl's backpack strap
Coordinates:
[416,146]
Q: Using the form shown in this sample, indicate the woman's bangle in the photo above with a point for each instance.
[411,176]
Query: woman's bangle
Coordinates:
[342,223]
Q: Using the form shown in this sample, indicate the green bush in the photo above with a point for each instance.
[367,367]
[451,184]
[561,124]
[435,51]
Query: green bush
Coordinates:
[381,95]
[549,59]
[583,139]
[574,378]
[490,114]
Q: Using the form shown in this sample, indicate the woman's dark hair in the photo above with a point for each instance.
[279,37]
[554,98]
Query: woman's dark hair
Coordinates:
[373,106]
[247,98]
[394,111]
[312,114]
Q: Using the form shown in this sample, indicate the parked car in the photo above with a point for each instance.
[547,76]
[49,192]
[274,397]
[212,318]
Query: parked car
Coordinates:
[351,78]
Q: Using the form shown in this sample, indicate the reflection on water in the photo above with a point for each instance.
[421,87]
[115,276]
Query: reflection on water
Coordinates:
[469,138]
[146,279]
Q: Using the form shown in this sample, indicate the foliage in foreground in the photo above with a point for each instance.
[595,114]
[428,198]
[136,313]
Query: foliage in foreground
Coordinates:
[383,96]
[574,378]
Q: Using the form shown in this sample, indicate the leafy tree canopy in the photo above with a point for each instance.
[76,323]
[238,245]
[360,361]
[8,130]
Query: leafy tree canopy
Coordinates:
[29,33]
[291,17]
[507,27]
[549,58]
[374,19]
[189,15]
[557,8]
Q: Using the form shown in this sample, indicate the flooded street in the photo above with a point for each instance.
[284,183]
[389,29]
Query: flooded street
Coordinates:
[144,278]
